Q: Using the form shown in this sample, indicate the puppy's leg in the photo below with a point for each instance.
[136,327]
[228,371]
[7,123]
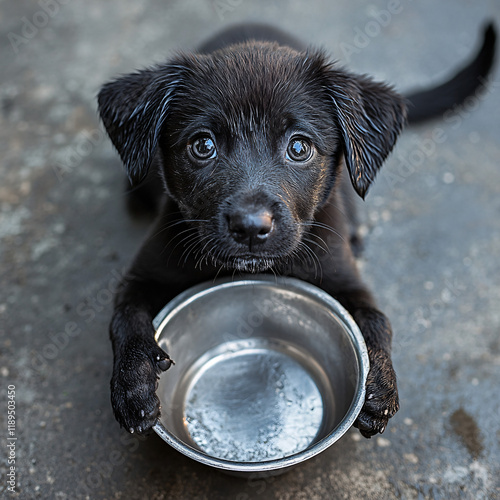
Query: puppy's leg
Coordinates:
[382,400]
[138,360]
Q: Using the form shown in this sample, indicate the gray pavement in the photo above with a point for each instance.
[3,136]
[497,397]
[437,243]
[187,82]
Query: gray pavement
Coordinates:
[432,225]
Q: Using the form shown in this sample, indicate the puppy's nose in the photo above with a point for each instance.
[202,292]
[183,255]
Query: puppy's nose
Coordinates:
[251,226]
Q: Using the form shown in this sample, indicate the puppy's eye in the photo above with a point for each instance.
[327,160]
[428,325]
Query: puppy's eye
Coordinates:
[203,148]
[299,149]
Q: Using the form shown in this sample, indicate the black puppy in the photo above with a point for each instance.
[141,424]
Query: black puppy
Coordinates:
[249,139]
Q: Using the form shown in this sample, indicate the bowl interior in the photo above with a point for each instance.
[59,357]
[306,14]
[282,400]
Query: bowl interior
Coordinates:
[267,373]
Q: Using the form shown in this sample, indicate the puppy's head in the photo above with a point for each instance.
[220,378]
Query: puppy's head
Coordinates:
[250,141]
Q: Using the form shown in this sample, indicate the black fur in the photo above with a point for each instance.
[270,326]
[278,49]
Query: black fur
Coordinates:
[223,130]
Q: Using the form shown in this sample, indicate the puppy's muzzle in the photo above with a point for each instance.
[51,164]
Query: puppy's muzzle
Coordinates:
[250,226]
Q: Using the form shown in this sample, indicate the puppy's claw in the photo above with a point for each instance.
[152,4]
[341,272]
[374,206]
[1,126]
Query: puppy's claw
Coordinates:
[369,425]
[164,364]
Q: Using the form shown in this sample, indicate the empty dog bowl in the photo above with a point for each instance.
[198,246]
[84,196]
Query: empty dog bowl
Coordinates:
[268,372]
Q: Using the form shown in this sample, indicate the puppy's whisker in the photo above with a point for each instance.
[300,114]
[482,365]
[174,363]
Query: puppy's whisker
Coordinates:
[274,272]
[322,225]
[189,248]
[218,272]
[301,258]
[322,246]
[188,238]
[339,209]
[205,255]
[317,236]
[183,239]
[201,251]
[170,225]
[313,259]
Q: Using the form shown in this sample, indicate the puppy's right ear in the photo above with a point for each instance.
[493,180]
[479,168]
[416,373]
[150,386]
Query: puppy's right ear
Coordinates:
[133,109]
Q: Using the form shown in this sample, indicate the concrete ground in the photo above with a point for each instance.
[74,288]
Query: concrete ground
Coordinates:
[432,225]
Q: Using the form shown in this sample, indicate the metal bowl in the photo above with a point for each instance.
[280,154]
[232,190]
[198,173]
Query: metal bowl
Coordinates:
[268,372]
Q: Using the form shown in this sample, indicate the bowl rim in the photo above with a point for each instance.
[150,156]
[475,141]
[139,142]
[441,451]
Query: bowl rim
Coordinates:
[353,332]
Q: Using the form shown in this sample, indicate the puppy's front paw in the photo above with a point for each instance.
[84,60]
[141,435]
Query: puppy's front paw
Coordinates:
[133,385]
[382,400]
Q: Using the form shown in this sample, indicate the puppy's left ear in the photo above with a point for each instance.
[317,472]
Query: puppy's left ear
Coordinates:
[133,109]
[370,115]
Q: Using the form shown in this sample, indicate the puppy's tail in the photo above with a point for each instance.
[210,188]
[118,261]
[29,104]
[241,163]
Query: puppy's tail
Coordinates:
[427,104]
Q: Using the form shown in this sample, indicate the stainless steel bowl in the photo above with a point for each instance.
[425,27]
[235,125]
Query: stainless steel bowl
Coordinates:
[268,372]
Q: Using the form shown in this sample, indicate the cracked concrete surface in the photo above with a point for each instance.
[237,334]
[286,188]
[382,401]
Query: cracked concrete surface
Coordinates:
[432,244]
